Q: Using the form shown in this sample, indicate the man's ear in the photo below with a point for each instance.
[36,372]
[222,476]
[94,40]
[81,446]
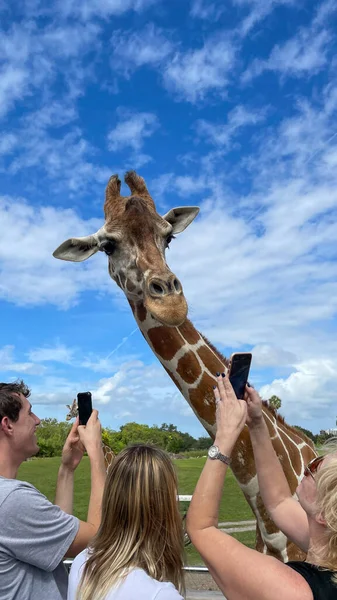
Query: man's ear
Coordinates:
[6,426]
[181,217]
[77,249]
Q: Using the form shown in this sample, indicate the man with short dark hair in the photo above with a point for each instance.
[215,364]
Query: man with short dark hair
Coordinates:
[35,535]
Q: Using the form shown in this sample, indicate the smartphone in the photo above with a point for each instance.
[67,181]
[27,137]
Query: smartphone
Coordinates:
[239,372]
[84,407]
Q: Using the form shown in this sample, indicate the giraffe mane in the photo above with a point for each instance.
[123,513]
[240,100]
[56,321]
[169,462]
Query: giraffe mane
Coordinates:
[279,418]
[215,350]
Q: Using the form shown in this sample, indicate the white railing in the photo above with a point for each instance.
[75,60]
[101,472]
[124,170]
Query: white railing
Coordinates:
[228,527]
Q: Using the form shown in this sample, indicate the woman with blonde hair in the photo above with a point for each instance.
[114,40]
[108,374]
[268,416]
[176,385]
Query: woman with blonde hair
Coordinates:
[310,522]
[138,551]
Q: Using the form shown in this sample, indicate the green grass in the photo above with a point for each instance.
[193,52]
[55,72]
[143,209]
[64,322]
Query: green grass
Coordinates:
[42,473]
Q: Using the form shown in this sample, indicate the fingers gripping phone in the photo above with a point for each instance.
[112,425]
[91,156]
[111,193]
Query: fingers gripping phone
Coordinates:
[239,372]
[84,404]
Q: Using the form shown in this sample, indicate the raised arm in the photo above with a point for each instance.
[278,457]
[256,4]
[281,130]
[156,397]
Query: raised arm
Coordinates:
[91,438]
[240,572]
[283,509]
[72,455]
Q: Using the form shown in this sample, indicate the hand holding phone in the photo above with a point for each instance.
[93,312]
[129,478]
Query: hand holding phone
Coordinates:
[84,404]
[239,372]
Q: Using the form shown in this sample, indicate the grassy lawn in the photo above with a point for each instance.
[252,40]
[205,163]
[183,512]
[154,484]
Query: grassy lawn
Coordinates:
[42,473]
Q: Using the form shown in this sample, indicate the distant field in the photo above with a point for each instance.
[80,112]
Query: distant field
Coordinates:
[43,474]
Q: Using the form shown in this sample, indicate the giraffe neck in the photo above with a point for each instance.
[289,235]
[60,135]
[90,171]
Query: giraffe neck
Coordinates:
[109,455]
[191,362]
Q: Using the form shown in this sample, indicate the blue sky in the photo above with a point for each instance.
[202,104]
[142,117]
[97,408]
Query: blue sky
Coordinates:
[230,106]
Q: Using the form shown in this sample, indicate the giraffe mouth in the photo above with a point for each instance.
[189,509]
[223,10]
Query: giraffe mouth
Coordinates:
[171,311]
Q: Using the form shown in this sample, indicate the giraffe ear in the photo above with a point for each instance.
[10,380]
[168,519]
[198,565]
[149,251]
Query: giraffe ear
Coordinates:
[77,249]
[181,217]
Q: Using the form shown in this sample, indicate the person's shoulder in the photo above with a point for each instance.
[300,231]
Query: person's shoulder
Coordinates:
[80,558]
[77,565]
[8,486]
[151,588]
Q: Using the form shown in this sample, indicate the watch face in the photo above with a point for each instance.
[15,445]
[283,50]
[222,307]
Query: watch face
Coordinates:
[213,451]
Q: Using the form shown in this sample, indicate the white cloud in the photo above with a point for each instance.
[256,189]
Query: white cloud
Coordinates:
[134,49]
[8,363]
[222,135]
[58,353]
[135,391]
[29,273]
[195,73]
[204,9]
[8,142]
[131,130]
[32,58]
[265,355]
[69,41]
[138,388]
[259,10]
[308,393]
[96,8]
[13,84]
[305,54]
[68,160]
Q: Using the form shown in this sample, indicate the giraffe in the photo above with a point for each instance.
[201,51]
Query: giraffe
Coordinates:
[135,237]
[109,455]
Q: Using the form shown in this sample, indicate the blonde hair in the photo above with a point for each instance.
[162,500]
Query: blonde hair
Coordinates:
[141,525]
[326,501]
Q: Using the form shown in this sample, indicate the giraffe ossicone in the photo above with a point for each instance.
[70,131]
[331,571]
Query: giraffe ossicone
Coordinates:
[135,237]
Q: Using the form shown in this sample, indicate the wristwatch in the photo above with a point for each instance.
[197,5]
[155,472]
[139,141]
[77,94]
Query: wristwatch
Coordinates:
[214,452]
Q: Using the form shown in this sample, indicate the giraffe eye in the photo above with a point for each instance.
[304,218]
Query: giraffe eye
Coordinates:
[108,247]
[168,240]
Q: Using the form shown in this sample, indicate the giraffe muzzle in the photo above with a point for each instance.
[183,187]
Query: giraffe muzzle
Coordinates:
[164,299]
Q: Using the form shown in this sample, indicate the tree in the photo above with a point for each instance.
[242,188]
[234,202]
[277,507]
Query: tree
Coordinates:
[307,432]
[51,435]
[166,427]
[275,402]
[203,443]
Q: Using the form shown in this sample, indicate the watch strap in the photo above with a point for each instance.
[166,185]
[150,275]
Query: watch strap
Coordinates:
[225,459]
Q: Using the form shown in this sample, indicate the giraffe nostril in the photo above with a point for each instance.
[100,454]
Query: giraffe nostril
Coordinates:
[177,285]
[156,289]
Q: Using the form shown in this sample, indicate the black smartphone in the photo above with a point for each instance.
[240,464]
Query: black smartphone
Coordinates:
[84,407]
[239,372]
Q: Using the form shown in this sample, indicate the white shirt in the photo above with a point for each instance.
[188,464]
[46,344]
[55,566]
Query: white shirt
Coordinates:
[137,584]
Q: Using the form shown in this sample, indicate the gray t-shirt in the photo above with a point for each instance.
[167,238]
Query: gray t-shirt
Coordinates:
[34,537]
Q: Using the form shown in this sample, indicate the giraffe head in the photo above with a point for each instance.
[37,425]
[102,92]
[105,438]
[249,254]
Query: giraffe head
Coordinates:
[135,237]
[72,410]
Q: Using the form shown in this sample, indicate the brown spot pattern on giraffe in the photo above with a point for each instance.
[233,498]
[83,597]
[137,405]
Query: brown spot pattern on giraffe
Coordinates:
[243,453]
[204,391]
[292,463]
[130,286]
[270,525]
[208,358]
[188,367]
[166,341]
[295,552]
[141,312]
[222,358]
[189,333]
[133,306]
